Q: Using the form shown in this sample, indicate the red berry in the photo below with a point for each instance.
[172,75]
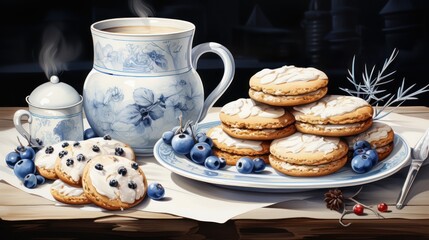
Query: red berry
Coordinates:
[358,209]
[382,207]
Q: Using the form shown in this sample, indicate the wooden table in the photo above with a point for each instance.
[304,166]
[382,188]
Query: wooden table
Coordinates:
[33,217]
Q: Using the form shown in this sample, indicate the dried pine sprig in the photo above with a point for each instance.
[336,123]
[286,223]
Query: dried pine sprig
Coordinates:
[369,89]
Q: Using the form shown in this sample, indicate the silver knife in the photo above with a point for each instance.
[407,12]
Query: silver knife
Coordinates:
[419,154]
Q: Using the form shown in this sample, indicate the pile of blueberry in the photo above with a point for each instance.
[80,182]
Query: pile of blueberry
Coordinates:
[21,160]
[364,157]
[198,148]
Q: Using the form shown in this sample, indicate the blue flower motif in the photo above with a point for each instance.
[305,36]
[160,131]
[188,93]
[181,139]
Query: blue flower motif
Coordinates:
[145,109]
[158,58]
[113,94]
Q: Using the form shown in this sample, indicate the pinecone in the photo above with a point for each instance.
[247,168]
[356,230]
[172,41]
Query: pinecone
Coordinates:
[334,199]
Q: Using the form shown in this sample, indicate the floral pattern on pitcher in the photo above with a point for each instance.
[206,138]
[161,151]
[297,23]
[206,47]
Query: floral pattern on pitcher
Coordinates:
[153,57]
[117,115]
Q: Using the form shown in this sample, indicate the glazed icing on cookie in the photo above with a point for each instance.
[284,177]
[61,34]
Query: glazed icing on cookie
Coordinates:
[245,107]
[332,105]
[288,74]
[300,142]
[375,133]
[46,157]
[110,146]
[72,164]
[101,179]
[224,138]
[65,189]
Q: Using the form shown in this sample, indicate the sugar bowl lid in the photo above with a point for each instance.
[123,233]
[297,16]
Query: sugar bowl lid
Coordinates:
[54,94]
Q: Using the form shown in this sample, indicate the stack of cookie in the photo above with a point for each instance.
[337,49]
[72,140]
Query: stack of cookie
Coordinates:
[317,143]
[67,163]
[247,129]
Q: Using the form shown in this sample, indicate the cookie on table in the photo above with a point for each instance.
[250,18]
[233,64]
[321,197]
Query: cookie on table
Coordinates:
[71,162]
[379,135]
[288,85]
[245,118]
[334,115]
[307,155]
[45,159]
[114,182]
[68,194]
[232,149]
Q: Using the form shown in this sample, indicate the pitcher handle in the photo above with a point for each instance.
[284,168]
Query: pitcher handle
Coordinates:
[17,121]
[228,74]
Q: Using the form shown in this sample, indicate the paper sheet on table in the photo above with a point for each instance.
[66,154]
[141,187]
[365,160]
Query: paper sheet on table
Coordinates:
[198,200]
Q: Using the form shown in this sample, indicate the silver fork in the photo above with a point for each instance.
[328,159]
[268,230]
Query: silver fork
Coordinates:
[419,154]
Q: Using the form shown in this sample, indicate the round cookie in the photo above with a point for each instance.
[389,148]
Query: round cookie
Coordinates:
[245,118]
[379,135]
[70,164]
[65,193]
[46,157]
[114,182]
[308,155]
[73,159]
[233,149]
[288,86]
[334,115]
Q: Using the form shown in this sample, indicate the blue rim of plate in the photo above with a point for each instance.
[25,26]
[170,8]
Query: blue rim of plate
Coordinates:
[270,179]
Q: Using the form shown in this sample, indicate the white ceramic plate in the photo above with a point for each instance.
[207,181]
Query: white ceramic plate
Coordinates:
[272,181]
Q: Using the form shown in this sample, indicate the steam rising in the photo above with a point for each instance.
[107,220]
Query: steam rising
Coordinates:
[56,52]
[140,8]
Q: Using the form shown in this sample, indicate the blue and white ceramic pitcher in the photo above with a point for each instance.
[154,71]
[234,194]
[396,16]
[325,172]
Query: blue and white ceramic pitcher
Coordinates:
[144,78]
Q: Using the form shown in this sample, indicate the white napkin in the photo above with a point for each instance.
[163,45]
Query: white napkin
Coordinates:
[201,201]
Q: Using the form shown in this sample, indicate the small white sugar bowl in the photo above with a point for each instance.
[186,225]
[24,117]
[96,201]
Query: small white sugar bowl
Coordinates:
[54,114]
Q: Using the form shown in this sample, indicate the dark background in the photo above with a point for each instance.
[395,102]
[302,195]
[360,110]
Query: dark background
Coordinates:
[325,34]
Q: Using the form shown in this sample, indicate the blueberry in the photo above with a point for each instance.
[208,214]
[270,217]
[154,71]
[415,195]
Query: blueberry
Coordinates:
[62,154]
[69,162]
[122,171]
[12,158]
[76,144]
[80,157]
[119,151]
[259,165]
[244,165]
[361,163]
[182,143]
[132,185]
[113,183]
[168,136]
[212,162]
[40,179]
[24,167]
[95,148]
[107,137]
[155,191]
[222,162]
[99,166]
[49,150]
[28,153]
[199,152]
[30,180]
[89,133]
[373,156]
[359,151]
[135,165]
[206,139]
[65,144]
[362,144]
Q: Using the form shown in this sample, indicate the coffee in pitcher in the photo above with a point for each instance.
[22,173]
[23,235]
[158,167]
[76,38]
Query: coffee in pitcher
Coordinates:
[143,29]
